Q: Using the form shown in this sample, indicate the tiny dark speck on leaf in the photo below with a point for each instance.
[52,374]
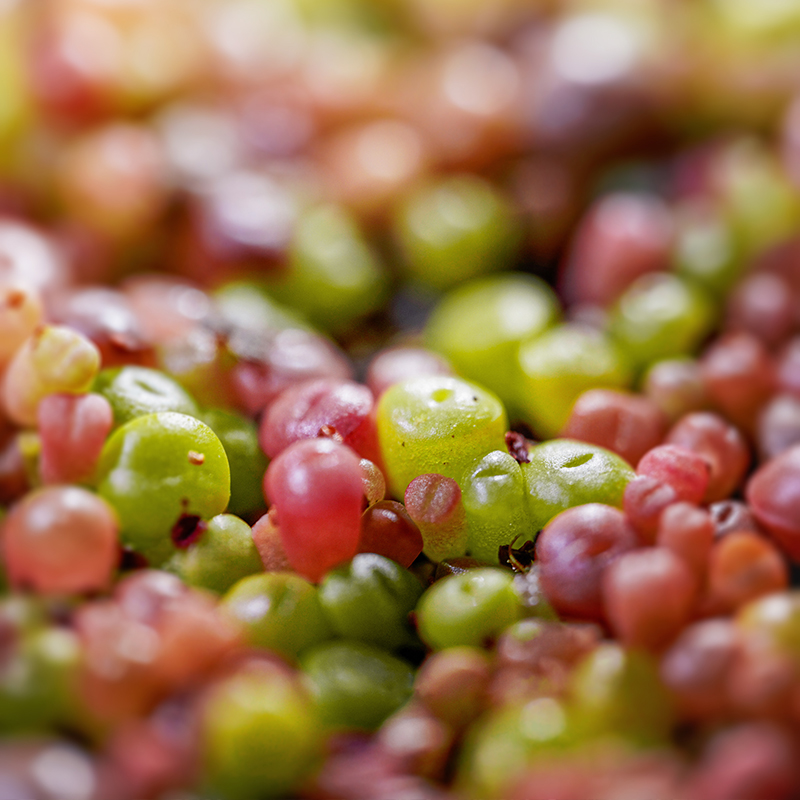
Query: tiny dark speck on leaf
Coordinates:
[187,530]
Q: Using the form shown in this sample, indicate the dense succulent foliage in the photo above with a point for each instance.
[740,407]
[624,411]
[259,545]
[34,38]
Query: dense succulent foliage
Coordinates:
[399,399]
